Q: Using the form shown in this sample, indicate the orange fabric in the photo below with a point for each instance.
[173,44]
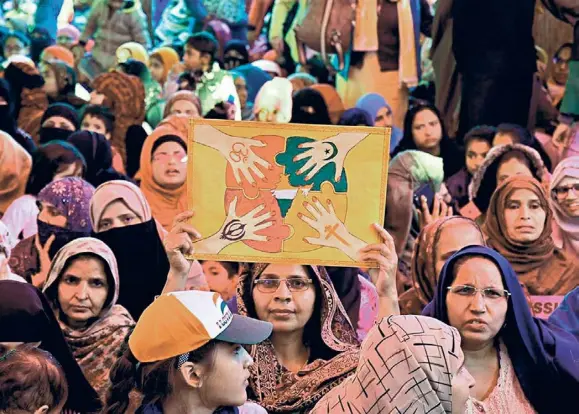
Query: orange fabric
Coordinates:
[165,203]
[59,53]
[168,57]
[15,165]
[157,337]
[125,97]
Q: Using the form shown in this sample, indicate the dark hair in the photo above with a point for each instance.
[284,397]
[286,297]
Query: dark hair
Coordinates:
[205,43]
[312,329]
[523,136]
[232,268]
[154,380]
[190,79]
[407,141]
[480,133]
[563,46]
[167,138]
[29,379]
[103,113]
[47,160]
[135,68]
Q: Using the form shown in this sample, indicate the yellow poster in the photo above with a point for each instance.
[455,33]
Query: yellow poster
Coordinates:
[286,193]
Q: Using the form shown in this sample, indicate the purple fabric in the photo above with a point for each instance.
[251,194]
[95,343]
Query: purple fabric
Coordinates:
[71,197]
[566,316]
[543,355]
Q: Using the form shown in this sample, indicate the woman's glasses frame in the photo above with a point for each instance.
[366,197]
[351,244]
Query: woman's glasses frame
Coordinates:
[471,291]
[290,284]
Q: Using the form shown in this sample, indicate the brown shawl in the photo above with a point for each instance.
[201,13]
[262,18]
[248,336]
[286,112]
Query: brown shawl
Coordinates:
[297,393]
[125,97]
[542,268]
[424,277]
[96,347]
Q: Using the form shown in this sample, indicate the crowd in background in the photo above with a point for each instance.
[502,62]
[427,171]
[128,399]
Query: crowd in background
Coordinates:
[101,311]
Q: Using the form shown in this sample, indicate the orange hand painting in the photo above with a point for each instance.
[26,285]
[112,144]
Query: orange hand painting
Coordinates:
[332,232]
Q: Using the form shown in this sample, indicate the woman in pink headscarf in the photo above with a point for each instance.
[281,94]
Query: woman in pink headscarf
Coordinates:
[564,200]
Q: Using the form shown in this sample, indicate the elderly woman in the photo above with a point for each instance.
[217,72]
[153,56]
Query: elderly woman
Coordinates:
[82,288]
[121,218]
[519,227]
[520,364]
[434,245]
[64,216]
[313,346]
[564,202]
[27,318]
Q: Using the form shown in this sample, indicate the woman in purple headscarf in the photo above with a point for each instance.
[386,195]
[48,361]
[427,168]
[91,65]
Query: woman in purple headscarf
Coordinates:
[64,216]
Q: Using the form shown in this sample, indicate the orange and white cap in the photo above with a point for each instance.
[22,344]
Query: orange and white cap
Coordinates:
[180,322]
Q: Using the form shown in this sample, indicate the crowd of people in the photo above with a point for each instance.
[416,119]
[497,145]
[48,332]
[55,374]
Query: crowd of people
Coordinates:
[101,311]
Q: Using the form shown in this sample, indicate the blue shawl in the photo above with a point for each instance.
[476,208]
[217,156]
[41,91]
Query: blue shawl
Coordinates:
[545,357]
[566,316]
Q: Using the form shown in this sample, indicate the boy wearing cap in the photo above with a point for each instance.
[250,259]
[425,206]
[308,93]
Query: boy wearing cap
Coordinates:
[189,362]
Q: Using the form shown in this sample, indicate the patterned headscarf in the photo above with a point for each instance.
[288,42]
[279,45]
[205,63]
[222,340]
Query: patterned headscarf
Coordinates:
[278,390]
[95,346]
[125,97]
[569,225]
[540,266]
[406,366]
[71,197]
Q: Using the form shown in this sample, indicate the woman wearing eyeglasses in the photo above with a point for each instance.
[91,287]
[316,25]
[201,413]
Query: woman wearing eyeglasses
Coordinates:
[520,364]
[518,226]
[313,346]
[565,204]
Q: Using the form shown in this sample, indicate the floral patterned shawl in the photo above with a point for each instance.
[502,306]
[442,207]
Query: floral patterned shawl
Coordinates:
[298,393]
[95,347]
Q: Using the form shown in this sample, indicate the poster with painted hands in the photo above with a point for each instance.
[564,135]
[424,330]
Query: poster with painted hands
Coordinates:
[286,193]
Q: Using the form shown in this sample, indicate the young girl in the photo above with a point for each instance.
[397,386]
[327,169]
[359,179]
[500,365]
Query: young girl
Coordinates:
[191,362]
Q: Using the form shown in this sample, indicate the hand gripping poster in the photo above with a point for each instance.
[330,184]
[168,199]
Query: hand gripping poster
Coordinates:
[286,193]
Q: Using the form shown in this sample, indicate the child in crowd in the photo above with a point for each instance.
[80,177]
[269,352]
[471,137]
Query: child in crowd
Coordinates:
[477,143]
[214,85]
